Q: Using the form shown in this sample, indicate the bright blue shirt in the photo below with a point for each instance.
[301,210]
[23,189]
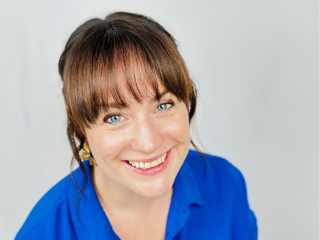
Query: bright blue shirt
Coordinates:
[209,201]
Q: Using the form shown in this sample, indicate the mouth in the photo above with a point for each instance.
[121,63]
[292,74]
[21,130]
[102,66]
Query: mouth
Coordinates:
[151,166]
[148,165]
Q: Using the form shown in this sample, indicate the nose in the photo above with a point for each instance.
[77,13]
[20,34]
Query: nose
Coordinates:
[146,136]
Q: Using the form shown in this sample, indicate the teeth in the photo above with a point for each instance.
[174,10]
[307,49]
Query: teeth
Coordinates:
[141,165]
[136,164]
[146,165]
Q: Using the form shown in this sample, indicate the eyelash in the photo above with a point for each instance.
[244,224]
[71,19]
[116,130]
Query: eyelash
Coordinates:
[119,114]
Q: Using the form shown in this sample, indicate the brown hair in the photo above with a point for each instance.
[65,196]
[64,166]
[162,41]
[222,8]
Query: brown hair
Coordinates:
[98,49]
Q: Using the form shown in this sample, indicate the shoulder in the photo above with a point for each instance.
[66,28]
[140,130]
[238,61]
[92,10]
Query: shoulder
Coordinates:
[51,209]
[223,189]
[214,169]
[218,179]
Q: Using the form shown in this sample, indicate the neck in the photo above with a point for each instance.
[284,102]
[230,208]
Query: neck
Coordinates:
[115,197]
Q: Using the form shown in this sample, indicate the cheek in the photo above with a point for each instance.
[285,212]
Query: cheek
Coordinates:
[177,128]
[104,143]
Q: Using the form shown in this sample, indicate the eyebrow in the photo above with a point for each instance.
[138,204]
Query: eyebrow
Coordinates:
[154,99]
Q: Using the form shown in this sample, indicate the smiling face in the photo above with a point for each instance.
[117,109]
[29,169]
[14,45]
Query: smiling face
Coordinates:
[126,140]
[140,149]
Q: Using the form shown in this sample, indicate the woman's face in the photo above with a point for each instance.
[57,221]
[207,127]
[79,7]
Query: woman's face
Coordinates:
[141,148]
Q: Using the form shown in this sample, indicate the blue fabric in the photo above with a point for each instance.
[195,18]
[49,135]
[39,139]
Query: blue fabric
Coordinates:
[209,202]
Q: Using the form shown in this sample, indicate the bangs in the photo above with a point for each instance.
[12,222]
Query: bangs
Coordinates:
[105,60]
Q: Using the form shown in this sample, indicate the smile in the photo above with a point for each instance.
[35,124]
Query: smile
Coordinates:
[152,166]
[147,165]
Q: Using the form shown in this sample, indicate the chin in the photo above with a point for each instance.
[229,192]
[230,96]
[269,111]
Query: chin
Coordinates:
[156,189]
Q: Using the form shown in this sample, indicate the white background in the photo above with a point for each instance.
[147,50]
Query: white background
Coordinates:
[256,65]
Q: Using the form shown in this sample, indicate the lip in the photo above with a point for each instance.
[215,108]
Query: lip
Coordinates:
[153,170]
[149,159]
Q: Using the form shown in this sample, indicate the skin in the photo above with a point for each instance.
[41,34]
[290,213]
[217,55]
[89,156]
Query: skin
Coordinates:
[141,202]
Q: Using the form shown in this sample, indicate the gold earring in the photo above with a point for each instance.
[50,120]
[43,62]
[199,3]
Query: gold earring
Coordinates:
[86,153]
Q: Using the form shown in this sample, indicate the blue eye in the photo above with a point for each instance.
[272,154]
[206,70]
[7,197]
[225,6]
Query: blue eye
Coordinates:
[163,106]
[114,118]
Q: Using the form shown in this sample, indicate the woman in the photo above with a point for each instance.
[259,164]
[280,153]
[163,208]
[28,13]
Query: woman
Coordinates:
[129,101]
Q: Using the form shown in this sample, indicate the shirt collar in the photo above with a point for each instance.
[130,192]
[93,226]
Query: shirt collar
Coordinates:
[185,188]
[91,219]
[185,193]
